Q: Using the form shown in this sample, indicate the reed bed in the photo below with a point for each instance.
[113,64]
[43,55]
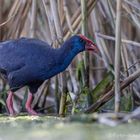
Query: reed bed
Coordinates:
[88,83]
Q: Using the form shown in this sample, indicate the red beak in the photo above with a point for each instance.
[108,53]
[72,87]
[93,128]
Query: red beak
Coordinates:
[90,45]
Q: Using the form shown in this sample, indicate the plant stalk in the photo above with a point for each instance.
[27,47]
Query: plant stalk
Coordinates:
[118,56]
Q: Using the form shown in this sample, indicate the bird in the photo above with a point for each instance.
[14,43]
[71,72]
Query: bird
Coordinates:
[29,62]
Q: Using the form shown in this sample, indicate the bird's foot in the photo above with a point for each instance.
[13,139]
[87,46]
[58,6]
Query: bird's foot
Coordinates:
[11,111]
[31,111]
[28,105]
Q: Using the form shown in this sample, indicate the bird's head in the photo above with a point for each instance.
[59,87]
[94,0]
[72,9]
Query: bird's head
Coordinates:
[72,47]
[82,43]
[89,44]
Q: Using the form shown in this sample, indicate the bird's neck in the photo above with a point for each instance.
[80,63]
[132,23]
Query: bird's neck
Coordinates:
[62,57]
[65,55]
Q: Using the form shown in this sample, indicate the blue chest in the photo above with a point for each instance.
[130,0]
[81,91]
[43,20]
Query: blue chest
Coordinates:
[61,66]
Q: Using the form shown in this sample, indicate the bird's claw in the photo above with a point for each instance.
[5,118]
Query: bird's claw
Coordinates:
[31,112]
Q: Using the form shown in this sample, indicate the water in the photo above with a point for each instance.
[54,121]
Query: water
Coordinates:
[54,128]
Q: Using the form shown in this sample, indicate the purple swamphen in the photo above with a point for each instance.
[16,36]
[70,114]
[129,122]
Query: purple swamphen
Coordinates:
[29,62]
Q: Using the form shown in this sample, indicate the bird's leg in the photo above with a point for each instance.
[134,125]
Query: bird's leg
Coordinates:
[9,103]
[28,105]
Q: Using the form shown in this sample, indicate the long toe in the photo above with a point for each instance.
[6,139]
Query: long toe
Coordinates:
[32,112]
[10,109]
[28,105]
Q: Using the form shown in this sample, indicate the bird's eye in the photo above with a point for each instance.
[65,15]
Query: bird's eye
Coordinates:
[81,40]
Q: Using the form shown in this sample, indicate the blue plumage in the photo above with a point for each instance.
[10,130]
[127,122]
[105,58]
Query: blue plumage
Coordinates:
[30,61]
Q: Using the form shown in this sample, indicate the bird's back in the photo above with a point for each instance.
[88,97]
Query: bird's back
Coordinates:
[23,51]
